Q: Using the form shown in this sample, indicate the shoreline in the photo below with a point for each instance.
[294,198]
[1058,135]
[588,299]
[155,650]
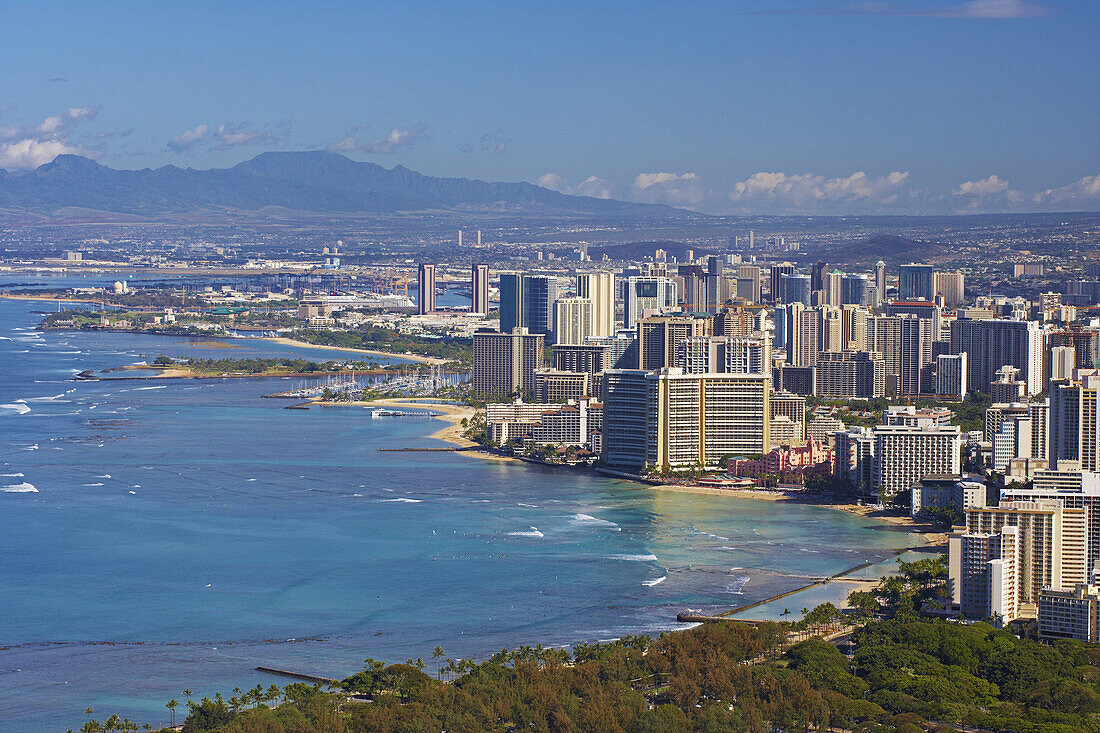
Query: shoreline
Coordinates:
[451,413]
[283,340]
[175,372]
[433,360]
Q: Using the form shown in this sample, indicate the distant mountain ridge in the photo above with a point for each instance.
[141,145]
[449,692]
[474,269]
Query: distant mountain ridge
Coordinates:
[316,182]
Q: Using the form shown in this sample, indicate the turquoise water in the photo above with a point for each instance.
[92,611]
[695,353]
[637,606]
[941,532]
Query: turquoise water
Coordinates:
[180,533]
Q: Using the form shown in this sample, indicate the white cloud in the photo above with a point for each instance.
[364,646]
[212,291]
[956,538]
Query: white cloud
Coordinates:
[1082,193]
[675,189]
[232,137]
[554,182]
[188,139]
[985,187]
[798,192]
[55,126]
[398,139]
[32,146]
[32,152]
[344,145]
[593,186]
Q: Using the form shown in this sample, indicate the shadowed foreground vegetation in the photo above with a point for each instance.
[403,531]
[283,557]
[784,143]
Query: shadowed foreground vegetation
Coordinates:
[905,676]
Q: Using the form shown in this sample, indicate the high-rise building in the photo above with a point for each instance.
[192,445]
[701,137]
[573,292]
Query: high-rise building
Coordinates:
[853,290]
[540,295]
[1085,341]
[724,354]
[1009,431]
[683,420]
[1071,613]
[992,343]
[855,458]
[599,287]
[626,416]
[905,455]
[833,290]
[1063,360]
[817,275]
[1052,547]
[587,358]
[479,288]
[874,296]
[853,328]
[511,301]
[884,336]
[426,287]
[1084,496]
[572,320]
[527,301]
[791,408]
[803,340]
[641,293]
[951,376]
[951,285]
[1007,386]
[920,309]
[622,348]
[851,374]
[775,282]
[1075,419]
[880,279]
[984,573]
[749,283]
[914,364]
[713,281]
[505,363]
[659,338]
[792,288]
[553,386]
[916,282]
[830,328]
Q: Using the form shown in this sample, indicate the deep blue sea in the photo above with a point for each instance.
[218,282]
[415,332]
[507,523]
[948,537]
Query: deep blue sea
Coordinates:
[170,534]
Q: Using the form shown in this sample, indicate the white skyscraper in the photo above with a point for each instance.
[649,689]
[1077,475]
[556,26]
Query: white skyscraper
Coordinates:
[646,292]
[599,288]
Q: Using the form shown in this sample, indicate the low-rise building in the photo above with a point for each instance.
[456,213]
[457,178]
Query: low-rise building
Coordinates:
[949,492]
[785,463]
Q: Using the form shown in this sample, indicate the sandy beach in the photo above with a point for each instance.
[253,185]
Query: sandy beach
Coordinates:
[928,533]
[452,414]
[408,357]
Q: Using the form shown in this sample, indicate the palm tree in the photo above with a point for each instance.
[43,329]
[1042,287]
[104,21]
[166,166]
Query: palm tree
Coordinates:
[436,654]
[171,705]
[187,693]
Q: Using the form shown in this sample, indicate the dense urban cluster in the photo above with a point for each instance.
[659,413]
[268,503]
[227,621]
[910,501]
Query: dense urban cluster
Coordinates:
[731,370]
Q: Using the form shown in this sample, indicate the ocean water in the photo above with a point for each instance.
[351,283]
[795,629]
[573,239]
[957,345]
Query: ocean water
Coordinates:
[165,534]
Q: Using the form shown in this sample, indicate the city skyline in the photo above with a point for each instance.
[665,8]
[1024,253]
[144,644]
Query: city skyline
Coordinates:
[762,108]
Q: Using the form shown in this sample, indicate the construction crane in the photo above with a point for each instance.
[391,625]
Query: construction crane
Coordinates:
[399,284]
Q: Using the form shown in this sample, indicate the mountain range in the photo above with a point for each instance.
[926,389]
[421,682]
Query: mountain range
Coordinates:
[309,182]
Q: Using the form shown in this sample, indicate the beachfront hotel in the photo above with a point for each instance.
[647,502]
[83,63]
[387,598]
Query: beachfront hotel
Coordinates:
[505,363]
[668,420]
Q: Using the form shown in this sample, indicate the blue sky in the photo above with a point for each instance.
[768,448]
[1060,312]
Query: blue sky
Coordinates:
[777,106]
